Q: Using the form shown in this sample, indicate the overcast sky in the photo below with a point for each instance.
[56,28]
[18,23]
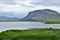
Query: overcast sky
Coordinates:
[20,8]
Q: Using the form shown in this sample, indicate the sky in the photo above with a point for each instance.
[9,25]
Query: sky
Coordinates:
[20,8]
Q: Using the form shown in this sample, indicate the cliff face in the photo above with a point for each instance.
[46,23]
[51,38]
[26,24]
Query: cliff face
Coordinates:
[43,15]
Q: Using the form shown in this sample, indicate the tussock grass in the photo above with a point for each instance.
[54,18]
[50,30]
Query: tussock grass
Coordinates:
[31,34]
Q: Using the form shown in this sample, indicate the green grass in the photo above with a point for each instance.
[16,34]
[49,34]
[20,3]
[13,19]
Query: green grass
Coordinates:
[52,22]
[31,34]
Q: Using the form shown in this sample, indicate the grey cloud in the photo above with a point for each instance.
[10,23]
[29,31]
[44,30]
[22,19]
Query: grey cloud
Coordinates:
[46,2]
[9,2]
[26,5]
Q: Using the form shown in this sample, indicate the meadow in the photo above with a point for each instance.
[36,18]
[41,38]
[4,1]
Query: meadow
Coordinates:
[31,34]
[52,22]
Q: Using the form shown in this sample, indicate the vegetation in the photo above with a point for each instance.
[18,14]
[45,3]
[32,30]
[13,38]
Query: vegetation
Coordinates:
[52,23]
[31,34]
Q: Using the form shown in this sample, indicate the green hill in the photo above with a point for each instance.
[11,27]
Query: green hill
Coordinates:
[45,15]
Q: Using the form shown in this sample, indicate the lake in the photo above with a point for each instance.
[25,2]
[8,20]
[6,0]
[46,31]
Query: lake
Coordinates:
[25,25]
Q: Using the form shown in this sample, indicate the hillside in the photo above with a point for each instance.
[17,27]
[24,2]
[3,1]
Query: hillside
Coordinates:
[8,19]
[45,15]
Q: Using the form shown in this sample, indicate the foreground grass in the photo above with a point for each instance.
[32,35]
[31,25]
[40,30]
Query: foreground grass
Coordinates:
[32,34]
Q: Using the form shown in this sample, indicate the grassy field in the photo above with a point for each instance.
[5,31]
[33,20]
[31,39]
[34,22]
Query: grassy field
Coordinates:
[52,23]
[31,34]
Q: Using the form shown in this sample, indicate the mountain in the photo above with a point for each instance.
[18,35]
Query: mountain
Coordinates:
[45,15]
[8,16]
[5,18]
[12,14]
[8,19]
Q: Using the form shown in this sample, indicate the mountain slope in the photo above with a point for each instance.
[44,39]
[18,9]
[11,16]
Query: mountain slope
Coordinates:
[8,19]
[44,15]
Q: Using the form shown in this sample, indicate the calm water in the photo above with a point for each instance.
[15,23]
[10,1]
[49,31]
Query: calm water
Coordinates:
[25,25]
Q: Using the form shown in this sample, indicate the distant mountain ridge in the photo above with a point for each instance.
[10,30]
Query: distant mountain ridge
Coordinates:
[44,15]
[8,16]
[5,18]
[8,19]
